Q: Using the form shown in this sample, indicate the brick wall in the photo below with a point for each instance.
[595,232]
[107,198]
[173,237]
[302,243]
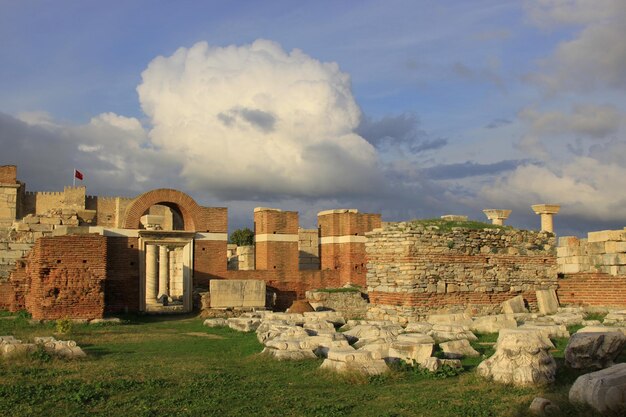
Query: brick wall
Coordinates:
[593,289]
[66,277]
[209,262]
[276,240]
[121,287]
[412,269]
[8,174]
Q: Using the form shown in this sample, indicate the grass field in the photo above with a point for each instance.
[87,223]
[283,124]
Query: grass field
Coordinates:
[161,366]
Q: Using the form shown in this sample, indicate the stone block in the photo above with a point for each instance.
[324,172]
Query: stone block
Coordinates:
[41,227]
[606,235]
[493,324]
[457,349]
[603,390]
[514,305]
[456,319]
[593,350]
[444,333]
[244,324]
[50,220]
[543,407]
[217,322]
[615,247]
[572,268]
[30,219]
[547,301]
[237,293]
[410,352]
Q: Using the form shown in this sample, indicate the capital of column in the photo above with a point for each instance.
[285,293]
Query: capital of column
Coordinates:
[497,216]
[546,211]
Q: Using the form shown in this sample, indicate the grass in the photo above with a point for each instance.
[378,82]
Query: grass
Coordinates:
[154,366]
[447,226]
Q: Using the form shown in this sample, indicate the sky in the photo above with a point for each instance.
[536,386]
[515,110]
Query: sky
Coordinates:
[412,109]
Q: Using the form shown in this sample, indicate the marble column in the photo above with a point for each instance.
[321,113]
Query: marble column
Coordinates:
[164,271]
[151,273]
[496,216]
[546,211]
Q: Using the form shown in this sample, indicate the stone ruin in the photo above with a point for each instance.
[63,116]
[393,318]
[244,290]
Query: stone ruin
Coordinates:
[68,349]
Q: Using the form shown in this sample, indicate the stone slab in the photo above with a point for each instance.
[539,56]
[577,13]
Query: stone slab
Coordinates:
[547,301]
[237,293]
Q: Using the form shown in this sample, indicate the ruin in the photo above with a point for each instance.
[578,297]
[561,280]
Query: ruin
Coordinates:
[69,254]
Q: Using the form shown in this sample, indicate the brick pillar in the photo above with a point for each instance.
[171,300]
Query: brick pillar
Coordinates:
[342,242]
[276,239]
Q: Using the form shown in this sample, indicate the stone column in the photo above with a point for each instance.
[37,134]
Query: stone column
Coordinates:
[546,211]
[496,216]
[164,271]
[151,273]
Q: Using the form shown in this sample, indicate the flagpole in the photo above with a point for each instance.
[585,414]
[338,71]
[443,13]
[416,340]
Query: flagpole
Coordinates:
[74,183]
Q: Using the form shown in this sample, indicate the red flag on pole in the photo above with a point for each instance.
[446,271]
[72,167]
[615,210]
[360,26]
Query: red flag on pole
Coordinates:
[78,174]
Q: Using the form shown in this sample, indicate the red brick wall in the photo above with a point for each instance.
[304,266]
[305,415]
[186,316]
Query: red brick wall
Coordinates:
[433,301]
[349,259]
[66,277]
[593,289]
[272,255]
[121,287]
[209,261]
[8,174]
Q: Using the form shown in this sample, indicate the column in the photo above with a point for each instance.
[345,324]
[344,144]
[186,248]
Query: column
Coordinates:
[164,270]
[546,211]
[496,216]
[151,273]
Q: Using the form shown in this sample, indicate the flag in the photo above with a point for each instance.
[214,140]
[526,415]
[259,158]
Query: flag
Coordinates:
[78,175]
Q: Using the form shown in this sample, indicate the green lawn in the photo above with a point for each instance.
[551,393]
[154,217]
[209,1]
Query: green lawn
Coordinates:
[156,366]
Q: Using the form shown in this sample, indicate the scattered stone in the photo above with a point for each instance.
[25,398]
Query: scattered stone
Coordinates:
[444,333]
[615,317]
[350,324]
[433,364]
[364,332]
[568,319]
[320,325]
[603,390]
[459,319]
[593,350]
[359,361]
[550,331]
[295,319]
[514,305]
[543,407]
[493,324]
[413,348]
[457,349]
[217,322]
[522,358]
[280,331]
[331,316]
[288,349]
[108,320]
[547,301]
[242,324]
[418,327]
[600,329]
[591,323]
[63,348]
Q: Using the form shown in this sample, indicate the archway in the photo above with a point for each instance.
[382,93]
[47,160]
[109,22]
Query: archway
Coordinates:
[190,211]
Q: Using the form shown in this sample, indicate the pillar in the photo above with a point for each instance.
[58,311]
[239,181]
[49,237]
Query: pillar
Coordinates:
[276,239]
[151,273]
[546,211]
[496,216]
[164,271]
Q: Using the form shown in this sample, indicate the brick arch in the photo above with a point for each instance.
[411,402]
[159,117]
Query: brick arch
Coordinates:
[189,209]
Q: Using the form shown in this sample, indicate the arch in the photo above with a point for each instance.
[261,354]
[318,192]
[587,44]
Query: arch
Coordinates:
[191,212]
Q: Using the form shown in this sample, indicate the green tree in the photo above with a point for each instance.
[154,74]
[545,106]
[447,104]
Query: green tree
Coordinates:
[242,237]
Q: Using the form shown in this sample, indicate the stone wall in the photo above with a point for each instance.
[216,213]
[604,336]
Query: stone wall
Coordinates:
[603,252]
[414,270]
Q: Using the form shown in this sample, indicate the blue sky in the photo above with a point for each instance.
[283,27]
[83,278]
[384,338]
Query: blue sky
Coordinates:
[432,108]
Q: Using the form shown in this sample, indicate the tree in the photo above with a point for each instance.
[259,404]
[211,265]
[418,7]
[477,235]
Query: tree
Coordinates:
[242,237]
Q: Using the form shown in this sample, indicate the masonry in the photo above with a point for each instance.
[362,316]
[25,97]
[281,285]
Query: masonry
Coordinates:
[415,269]
[191,238]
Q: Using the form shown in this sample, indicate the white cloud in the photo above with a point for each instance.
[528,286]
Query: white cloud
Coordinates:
[256,119]
[584,119]
[596,57]
[585,187]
